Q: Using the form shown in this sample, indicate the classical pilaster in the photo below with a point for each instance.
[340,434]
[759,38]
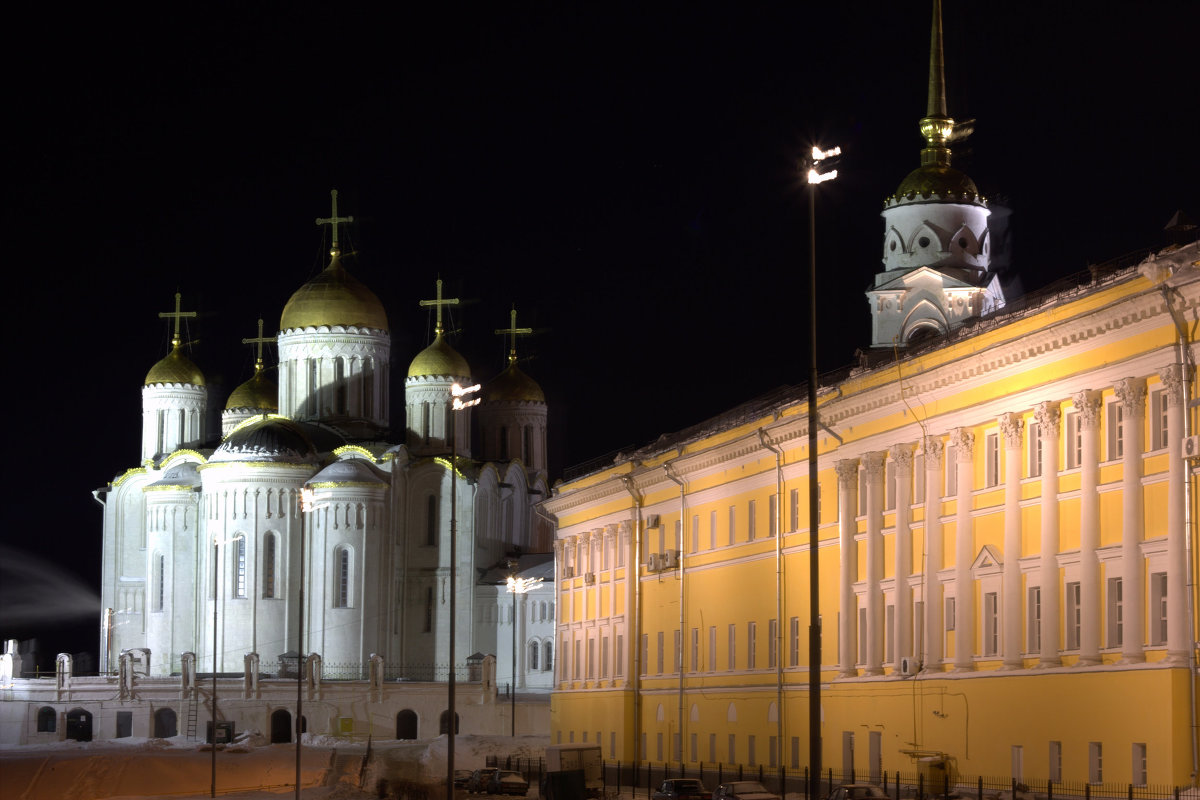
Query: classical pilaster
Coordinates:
[1012,427]
[873,658]
[1088,404]
[1177,629]
[964,551]
[1131,393]
[1048,416]
[932,591]
[902,458]
[847,473]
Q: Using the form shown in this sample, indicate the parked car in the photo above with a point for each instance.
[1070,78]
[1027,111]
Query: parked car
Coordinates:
[462,777]
[743,790]
[857,791]
[478,782]
[508,782]
[680,788]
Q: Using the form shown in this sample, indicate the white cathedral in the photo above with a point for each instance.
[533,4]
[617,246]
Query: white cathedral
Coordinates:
[209,556]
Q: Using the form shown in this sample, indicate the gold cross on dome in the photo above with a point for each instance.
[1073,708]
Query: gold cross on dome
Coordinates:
[334,220]
[513,331]
[438,303]
[258,343]
[178,315]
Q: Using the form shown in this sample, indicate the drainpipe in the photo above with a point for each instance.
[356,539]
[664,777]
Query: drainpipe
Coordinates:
[1188,365]
[762,438]
[668,470]
[634,575]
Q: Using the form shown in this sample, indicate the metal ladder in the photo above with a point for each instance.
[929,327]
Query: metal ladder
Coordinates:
[191,717]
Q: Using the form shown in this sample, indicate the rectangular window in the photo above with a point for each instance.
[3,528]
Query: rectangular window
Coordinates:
[576,660]
[733,646]
[772,514]
[862,636]
[677,746]
[619,661]
[712,530]
[1033,626]
[1116,613]
[991,624]
[919,478]
[659,653]
[1033,445]
[1095,763]
[794,509]
[795,752]
[695,533]
[1073,440]
[695,747]
[695,651]
[732,525]
[862,492]
[750,750]
[773,644]
[604,657]
[239,586]
[1115,416]
[712,648]
[751,643]
[1073,615]
[794,642]
[991,450]
[732,748]
[1056,761]
[889,486]
[678,543]
[1158,420]
[1139,764]
[750,531]
[645,654]
[889,638]
[268,584]
[658,746]
[712,747]
[677,651]
[949,613]
[591,662]
[1158,608]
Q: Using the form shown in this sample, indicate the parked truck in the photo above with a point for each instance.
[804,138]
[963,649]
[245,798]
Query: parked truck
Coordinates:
[573,772]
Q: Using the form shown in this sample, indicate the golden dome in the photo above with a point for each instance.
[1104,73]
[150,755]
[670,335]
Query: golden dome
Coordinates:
[937,181]
[439,359]
[260,393]
[335,297]
[512,385]
[175,368]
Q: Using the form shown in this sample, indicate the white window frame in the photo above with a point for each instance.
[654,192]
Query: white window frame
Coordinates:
[991,624]
[991,451]
[1158,609]
[1073,614]
[1159,420]
[1033,619]
[1115,618]
[1033,450]
[1073,440]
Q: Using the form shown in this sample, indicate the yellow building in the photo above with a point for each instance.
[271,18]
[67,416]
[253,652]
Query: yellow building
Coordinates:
[1007,535]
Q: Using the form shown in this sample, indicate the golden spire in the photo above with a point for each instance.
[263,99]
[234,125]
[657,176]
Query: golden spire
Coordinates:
[258,343]
[937,125]
[334,220]
[438,303]
[178,315]
[513,331]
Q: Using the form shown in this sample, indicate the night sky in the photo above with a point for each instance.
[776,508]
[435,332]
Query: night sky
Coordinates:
[625,173]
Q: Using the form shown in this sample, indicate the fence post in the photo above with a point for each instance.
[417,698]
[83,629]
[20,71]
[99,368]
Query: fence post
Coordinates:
[979,791]
[1131,791]
[741,773]
[760,773]
[1087,791]
[806,782]
[920,786]
[720,772]
[1049,789]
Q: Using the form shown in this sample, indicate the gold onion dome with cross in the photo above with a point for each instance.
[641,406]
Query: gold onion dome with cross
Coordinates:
[513,385]
[261,392]
[439,358]
[176,367]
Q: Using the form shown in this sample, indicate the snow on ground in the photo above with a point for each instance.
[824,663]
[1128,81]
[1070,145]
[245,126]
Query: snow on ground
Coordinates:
[249,769]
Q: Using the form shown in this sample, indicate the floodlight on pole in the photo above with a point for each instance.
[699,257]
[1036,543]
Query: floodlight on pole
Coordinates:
[814,176]
[516,586]
[308,504]
[457,403]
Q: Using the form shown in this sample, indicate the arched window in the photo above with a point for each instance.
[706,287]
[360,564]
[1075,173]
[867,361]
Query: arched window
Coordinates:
[444,723]
[239,566]
[47,720]
[534,647]
[406,724]
[341,577]
[547,656]
[431,519]
[159,566]
[268,565]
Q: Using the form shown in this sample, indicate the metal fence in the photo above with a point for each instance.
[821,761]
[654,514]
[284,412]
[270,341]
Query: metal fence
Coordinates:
[636,778]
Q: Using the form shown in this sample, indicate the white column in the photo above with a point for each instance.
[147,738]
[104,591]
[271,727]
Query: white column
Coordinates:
[964,552]
[1177,629]
[902,457]
[1012,426]
[1131,392]
[1048,416]
[847,472]
[1087,403]
[932,592]
[873,658]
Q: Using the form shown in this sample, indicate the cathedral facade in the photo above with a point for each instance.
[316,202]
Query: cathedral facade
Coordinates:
[1005,526]
[307,526]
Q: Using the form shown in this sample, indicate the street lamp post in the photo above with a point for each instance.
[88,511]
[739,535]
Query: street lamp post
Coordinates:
[216,595]
[457,403]
[517,586]
[307,506]
[814,176]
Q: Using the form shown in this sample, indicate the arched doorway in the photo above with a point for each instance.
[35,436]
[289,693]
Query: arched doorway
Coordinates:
[444,723]
[79,725]
[406,724]
[164,723]
[281,726]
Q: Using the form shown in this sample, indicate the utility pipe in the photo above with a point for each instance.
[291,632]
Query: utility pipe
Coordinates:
[779,588]
[633,574]
[668,470]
